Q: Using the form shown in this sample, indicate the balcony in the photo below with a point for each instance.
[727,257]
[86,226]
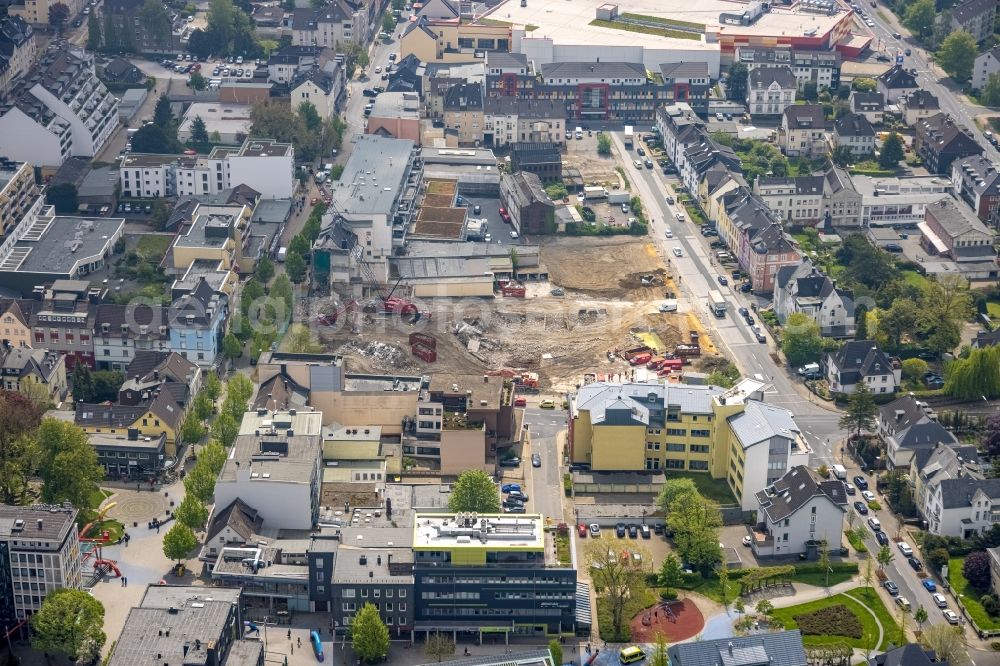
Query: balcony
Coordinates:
[459,421]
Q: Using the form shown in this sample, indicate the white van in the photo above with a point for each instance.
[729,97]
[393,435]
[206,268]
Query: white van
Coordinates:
[839,471]
[579,132]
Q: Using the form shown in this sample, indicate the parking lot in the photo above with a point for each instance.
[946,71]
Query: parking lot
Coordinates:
[489,209]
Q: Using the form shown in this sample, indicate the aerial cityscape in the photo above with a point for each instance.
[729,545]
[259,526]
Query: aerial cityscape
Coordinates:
[500,332]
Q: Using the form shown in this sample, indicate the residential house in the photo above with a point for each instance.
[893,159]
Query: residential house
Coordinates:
[918,105]
[332,26]
[804,130]
[449,38]
[975,17]
[951,229]
[509,119]
[854,132]
[908,426]
[17,51]
[842,201]
[986,65]
[679,128]
[152,371]
[324,88]
[128,20]
[798,514]
[780,647]
[19,193]
[36,12]
[821,68]
[805,289]
[934,464]
[797,201]
[160,414]
[463,114]
[896,82]
[508,75]
[523,198]
[197,323]
[861,360]
[976,181]
[395,115]
[57,110]
[437,80]
[215,233]
[963,507]
[756,237]
[940,141]
[542,159]
[15,322]
[698,159]
[688,82]
[985,339]
[770,90]
[23,366]
[237,525]
[871,105]
[407,75]
[121,331]
[291,61]
[610,91]
[121,72]
[911,654]
[64,321]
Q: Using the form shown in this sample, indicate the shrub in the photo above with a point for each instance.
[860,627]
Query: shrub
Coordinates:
[990,604]
[874,506]
[995,645]
[835,620]
[976,569]
[668,595]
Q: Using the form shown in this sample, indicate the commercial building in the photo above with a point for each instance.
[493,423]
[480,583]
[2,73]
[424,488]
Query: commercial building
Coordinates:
[861,360]
[131,456]
[58,109]
[395,115]
[820,68]
[541,159]
[604,92]
[159,413]
[800,513]
[976,181]
[229,120]
[64,320]
[688,82]
[39,554]
[17,51]
[479,574]
[439,34]
[275,467]
[805,289]
[898,202]
[951,229]
[940,141]
[651,426]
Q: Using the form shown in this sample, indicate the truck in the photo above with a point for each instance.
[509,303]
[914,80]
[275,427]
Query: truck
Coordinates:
[595,192]
[716,303]
[840,472]
[683,351]
[629,136]
[640,359]
[282,252]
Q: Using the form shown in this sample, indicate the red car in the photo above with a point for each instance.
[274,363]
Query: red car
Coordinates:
[504,215]
[313,201]
[581,529]
[520,402]
[190,151]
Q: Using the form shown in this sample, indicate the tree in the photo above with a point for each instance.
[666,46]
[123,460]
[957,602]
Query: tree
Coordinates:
[212,456]
[199,133]
[864,84]
[810,91]
[192,513]
[225,428]
[801,340]
[94,37]
[920,615]
[202,406]
[179,542]
[695,523]
[991,434]
[672,489]
[736,84]
[160,215]
[83,383]
[155,21]
[265,270]
[107,383]
[659,657]
[914,368]
[212,386]
[231,346]
[474,491]
[295,267]
[892,152]
[861,409]
[724,583]
[739,605]
[299,244]
[824,560]
[201,44]
[239,390]
[555,651]
[192,429]
[957,55]
[369,635]
[70,622]
[868,574]
[67,464]
[919,17]
[671,571]
[63,197]
[439,646]
[388,22]
[154,139]
[948,644]
[990,94]
[18,420]
[604,144]
[163,115]
[616,580]
[937,558]
[36,392]
[884,557]
[976,569]
[899,320]
[765,607]
[58,15]
[976,376]
[200,483]
[861,322]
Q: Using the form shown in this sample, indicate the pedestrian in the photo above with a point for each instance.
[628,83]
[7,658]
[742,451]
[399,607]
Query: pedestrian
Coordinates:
[157,527]
[125,578]
[137,488]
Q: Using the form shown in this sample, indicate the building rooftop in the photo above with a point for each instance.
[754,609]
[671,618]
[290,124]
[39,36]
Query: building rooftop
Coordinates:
[361,383]
[440,532]
[482,391]
[598,397]
[209,230]
[403,105]
[224,118]
[759,422]
[365,563]
[373,176]
[276,446]
[56,245]
[791,492]
[925,188]
[782,647]
[38,522]
[263,148]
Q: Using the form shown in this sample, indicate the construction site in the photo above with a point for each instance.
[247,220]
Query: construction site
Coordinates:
[560,330]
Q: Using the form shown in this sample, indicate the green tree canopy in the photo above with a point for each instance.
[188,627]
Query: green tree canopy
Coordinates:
[83,383]
[863,84]
[212,386]
[892,152]
[192,513]
[70,622]
[67,464]
[19,418]
[58,15]
[154,139]
[369,635]
[990,94]
[919,17]
[439,646]
[192,429]
[201,44]
[801,340]
[225,428]
[265,270]
[957,54]
[163,115]
[295,267]
[200,483]
[199,133]
[63,196]
[474,490]
[179,542]
[94,37]
[975,376]
[231,346]
[695,522]
[736,84]
[603,144]
[861,410]
[155,21]
[212,456]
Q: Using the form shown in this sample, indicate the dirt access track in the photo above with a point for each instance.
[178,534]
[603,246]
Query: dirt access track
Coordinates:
[560,338]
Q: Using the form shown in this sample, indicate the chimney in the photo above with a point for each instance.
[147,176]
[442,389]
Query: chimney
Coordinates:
[40,523]
[730,647]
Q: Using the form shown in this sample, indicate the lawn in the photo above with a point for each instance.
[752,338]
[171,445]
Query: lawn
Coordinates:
[712,588]
[868,624]
[993,310]
[152,247]
[664,21]
[648,30]
[632,606]
[914,278]
[970,596]
[713,489]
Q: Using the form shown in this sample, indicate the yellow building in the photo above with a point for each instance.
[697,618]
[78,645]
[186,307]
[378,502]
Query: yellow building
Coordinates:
[15,327]
[727,433]
[358,455]
[161,415]
[215,234]
[452,40]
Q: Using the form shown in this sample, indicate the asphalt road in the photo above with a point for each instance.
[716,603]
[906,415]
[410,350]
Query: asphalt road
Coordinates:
[698,276]
[544,483]
[930,77]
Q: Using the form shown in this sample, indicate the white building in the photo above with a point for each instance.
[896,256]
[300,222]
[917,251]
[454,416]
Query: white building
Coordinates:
[819,67]
[227,123]
[323,88]
[263,164]
[898,201]
[986,64]
[770,90]
[333,25]
[963,507]
[798,512]
[908,426]
[861,360]
[805,289]
[57,110]
[275,466]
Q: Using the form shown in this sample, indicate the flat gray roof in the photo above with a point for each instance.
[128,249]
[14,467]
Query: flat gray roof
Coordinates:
[429,268]
[373,176]
[56,522]
[52,245]
[207,230]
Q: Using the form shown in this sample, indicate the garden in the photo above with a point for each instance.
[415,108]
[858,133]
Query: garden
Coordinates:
[974,597]
[842,618]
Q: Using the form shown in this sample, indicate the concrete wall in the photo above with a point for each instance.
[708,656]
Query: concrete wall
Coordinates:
[462,450]
[361,409]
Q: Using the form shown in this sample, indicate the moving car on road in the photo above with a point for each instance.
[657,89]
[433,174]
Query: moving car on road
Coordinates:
[536,460]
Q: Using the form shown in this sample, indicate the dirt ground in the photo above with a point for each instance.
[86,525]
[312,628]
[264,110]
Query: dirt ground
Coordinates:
[560,338]
[682,621]
[581,154]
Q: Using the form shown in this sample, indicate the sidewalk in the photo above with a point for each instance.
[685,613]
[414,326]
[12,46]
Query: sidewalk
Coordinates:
[811,593]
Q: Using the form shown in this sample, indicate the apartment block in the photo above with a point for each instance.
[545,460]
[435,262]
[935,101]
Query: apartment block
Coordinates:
[17,51]
[18,193]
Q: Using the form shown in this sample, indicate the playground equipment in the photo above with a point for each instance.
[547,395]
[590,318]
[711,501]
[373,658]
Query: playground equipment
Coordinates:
[97,521]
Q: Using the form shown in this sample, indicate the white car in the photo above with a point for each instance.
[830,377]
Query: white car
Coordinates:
[637,164]
[876,525]
[904,548]
[378,69]
[903,603]
[939,600]
[513,235]
[670,233]
[950,615]
[747,540]
[678,252]
[868,495]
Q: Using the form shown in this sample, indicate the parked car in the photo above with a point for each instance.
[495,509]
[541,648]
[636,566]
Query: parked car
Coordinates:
[514,509]
[882,538]
[950,615]
[644,531]
[723,281]
[903,603]
[520,401]
[904,548]
[915,563]
[861,482]
[640,151]
[508,487]
[633,531]
[929,585]
[939,600]
[891,587]
[657,529]
[512,501]
[868,495]
[518,495]
[875,524]
[581,530]
[743,312]
[511,462]
[747,540]
[620,530]
[861,508]
[595,530]
[849,487]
